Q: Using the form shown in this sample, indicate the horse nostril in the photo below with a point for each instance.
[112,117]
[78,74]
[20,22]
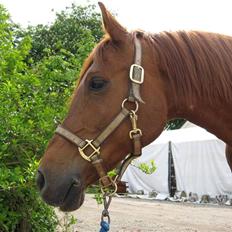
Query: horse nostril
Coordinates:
[40,180]
[76,182]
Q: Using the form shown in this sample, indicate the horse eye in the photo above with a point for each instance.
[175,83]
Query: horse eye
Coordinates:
[97,84]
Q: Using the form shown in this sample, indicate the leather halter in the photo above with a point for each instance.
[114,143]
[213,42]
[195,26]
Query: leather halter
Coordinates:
[90,149]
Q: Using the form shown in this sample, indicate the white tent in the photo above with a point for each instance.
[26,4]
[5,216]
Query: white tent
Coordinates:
[199,161]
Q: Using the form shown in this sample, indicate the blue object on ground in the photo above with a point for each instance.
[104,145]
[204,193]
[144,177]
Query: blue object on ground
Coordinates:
[104,226]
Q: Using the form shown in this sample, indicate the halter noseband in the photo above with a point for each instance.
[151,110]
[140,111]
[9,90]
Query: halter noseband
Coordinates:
[90,149]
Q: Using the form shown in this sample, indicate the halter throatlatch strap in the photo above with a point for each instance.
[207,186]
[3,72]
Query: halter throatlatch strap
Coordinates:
[90,149]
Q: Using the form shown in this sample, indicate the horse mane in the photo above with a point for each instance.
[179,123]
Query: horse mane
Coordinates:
[196,64]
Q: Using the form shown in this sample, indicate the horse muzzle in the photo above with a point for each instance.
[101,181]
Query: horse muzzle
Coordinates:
[65,192]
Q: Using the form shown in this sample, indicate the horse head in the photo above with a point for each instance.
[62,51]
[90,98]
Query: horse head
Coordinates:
[104,84]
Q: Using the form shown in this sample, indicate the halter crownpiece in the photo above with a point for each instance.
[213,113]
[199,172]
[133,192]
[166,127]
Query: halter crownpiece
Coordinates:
[136,74]
[90,149]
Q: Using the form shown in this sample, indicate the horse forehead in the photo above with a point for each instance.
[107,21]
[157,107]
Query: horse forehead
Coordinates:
[108,64]
[113,61]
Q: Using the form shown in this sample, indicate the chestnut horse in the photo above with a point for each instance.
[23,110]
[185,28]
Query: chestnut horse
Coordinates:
[186,75]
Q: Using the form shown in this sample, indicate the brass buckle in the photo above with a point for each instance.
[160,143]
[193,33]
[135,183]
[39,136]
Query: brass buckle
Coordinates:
[89,144]
[134,132]
[136,69]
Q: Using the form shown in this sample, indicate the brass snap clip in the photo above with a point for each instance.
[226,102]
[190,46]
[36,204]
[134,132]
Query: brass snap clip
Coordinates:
[135,129]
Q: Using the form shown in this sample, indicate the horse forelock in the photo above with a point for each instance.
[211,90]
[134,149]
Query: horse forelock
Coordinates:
[97,53]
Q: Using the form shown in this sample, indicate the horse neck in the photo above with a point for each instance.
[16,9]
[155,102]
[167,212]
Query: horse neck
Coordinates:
[194,95]
[213,117]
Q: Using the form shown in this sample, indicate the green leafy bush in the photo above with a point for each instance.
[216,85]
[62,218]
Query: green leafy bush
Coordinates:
[75,30]
[35,85]
[148,168]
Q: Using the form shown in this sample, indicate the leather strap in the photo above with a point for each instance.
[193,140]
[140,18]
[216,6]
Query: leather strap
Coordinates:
[138,51]
[126,162]
[137,146]
[134,91]
[137,151]
[111,127]
[104,179]
[70,136]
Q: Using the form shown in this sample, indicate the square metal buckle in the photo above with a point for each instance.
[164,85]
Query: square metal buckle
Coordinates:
[93,148]
[136,73]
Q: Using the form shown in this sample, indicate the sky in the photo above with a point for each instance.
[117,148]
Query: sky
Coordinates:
[149,15]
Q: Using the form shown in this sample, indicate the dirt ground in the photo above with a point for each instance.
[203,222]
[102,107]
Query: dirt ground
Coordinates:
[136,215]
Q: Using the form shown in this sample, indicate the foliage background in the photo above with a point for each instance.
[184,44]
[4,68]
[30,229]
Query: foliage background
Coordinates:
[38,71]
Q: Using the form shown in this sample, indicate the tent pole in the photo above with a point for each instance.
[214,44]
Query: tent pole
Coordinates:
[171,172]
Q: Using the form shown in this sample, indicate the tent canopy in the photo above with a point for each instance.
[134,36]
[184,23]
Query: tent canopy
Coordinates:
[199,160]
[191,134]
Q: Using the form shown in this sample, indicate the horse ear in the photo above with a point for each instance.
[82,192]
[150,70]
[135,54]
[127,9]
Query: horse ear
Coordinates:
[112,26]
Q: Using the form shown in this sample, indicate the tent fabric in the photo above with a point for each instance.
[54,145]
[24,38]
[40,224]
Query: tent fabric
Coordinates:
[199,159]
[188,124]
